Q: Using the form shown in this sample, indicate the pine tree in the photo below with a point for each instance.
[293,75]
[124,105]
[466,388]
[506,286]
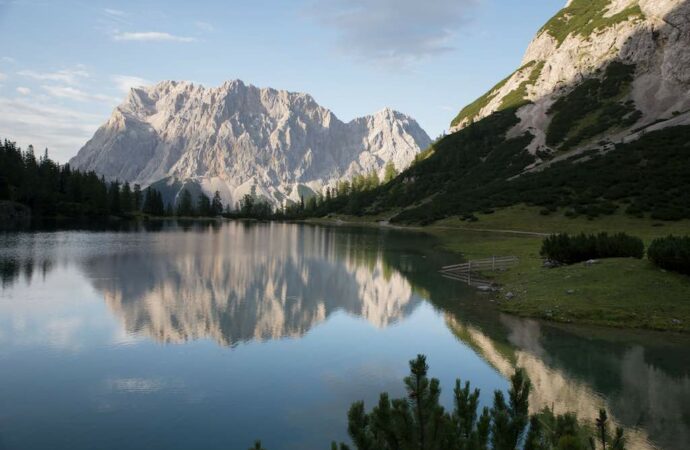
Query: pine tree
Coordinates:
[534,439]
[126,198]
[114,197]
[217,204]
[246,206]
[372,180]
[203,205]
[185,206]
[137,197]
[159,207]
[148,207]
[389,172]
[419,422]
[311,204]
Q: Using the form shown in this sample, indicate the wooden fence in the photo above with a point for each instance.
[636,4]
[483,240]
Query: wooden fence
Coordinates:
[469,272]
[480,265]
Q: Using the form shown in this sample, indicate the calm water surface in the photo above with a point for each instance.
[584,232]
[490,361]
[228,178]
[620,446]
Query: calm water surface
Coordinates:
[211,336]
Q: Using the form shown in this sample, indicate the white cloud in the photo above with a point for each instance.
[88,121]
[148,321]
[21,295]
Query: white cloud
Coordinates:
[394,32]
[76,94]
[126,82]
[3,76]
[114,12]
[62,130]
[8,59]
[114,17]
[205,26]
[151,36]
[69,76]
[24,90]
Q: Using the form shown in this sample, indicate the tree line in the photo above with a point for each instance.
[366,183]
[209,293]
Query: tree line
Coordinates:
[50,189]
[346,196]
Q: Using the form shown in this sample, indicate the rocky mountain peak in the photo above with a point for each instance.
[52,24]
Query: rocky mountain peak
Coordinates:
[241,139]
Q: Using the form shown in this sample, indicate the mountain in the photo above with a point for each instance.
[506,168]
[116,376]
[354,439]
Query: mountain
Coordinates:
[595,120]
[645,41]
[240,139]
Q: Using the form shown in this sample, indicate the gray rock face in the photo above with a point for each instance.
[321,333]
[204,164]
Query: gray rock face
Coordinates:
[653,35]
[240,139]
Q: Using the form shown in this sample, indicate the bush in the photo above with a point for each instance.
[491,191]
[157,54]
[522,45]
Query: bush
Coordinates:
[672,253]
[567,249]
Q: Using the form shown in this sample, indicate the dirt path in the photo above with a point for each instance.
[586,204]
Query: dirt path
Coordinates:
[387,224]
[491,230]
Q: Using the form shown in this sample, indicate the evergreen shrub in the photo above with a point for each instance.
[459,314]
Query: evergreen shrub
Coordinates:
[671,253]
[567,249]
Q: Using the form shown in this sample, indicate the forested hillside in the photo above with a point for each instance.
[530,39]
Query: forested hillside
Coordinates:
[595,121]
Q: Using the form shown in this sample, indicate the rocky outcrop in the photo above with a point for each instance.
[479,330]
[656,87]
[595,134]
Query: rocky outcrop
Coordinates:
[578,44]
[240,139]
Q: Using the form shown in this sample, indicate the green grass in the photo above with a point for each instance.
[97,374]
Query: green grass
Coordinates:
[527,218]
[584,17]
[617,292]
[620,292]
[471,111]
[517,97]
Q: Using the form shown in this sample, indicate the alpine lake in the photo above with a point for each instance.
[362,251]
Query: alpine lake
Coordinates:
[210,335]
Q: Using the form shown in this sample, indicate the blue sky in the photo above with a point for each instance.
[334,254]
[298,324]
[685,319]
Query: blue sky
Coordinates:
[64,65]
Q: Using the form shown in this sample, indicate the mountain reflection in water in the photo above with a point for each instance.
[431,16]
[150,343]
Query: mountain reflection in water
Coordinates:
[265,283]
[575,374]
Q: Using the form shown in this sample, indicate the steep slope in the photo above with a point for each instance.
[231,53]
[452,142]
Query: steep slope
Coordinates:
[648,42]
[597,119]
[240,139]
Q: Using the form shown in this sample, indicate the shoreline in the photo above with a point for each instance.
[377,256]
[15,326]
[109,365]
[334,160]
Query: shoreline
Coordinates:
[614,293]
[618,293]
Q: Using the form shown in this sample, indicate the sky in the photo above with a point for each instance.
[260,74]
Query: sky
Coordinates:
[64,65]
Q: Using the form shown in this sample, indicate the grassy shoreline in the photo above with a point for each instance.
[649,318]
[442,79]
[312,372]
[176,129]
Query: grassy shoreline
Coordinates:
[616,292]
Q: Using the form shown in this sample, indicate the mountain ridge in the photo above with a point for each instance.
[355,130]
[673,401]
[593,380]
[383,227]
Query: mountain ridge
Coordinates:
[578,43]
[240,139]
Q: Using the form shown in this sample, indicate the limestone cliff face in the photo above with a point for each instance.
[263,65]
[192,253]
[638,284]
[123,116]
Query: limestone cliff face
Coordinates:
[240,139]
[577,44]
